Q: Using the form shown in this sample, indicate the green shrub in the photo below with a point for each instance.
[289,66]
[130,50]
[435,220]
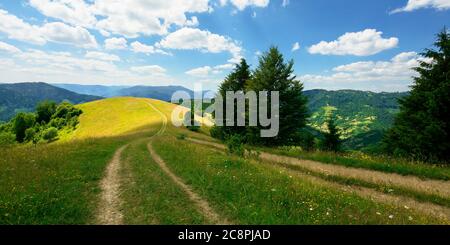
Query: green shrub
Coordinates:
[22,122]
[235,145]
[30,135]
[50,134]
[45,110]
[7,139]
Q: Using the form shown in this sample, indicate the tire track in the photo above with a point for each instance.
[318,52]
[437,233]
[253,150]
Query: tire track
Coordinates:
[202,205]
[109,209]
[423,207]
[109,212]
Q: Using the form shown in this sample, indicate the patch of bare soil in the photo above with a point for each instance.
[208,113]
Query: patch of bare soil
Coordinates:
[109,212]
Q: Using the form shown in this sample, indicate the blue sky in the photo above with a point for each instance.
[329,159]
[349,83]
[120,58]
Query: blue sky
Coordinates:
[342,44]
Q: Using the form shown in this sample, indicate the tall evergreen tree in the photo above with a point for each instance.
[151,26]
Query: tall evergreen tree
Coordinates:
[332,141]
[235,81]
[274,74]
[421,129]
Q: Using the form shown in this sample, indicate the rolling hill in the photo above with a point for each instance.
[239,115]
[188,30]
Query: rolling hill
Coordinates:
[18,97]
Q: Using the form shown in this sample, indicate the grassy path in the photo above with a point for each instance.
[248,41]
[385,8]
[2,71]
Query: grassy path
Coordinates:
[319,174]
[202,205]
[109,211]
[432,187]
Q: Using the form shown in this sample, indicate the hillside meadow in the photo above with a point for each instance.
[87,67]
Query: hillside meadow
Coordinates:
[60,182]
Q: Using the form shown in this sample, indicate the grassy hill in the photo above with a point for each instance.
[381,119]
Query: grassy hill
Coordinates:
[25,96]
[60,183]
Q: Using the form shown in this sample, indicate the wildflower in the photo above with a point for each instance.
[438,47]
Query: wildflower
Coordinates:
[391,216]
[378,213]
[410,218]
[406,207]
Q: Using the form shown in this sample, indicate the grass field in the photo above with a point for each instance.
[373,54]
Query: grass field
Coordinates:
[59,183]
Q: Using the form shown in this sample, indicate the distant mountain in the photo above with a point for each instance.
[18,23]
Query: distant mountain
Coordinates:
[97,90]
[155,92]
[362,116]
[16,97]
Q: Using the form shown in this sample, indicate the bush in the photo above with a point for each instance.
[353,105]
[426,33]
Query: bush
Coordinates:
[235,145]
[50,134]
[7,139]
[45,110]
[30,135]
[22,122]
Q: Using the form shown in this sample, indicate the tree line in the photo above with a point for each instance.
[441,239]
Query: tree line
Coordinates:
[421,130]
[43,125]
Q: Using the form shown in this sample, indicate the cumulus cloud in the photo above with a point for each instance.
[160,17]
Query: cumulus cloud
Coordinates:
[418,4]
[151,69]
[59,32]
[116,43]
[363,43]
[150,17]
[101,56]
[138,47]
[395,74]
[242,4]
[75,12]
[62,33]
[5,47]
[206,71]
[37,65]
[196,39]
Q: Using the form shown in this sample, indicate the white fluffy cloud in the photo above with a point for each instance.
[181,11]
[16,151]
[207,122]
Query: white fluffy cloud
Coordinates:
[16,28]
[101,56]
[151,69]
[295,47]
[75,12]
[142,17]
[5,47]
[418,4]
[196,39]
[57,67]
[393,75]
[138,47]
[62,33]
[151,17]
[116,43]
[206,71]
[363,43]
[242,4]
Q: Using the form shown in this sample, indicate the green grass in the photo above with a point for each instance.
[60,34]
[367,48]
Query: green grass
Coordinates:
[360,160]
[149,195]
[249,193]
[52,184]
[387,189]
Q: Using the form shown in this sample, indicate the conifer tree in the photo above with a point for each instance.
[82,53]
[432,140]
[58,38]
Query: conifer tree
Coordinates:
[421,129]
[332,141]
[274,74]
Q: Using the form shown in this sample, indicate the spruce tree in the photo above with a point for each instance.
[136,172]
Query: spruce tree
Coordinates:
[274,74]
[332,141]
[421,129]
[235,81]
